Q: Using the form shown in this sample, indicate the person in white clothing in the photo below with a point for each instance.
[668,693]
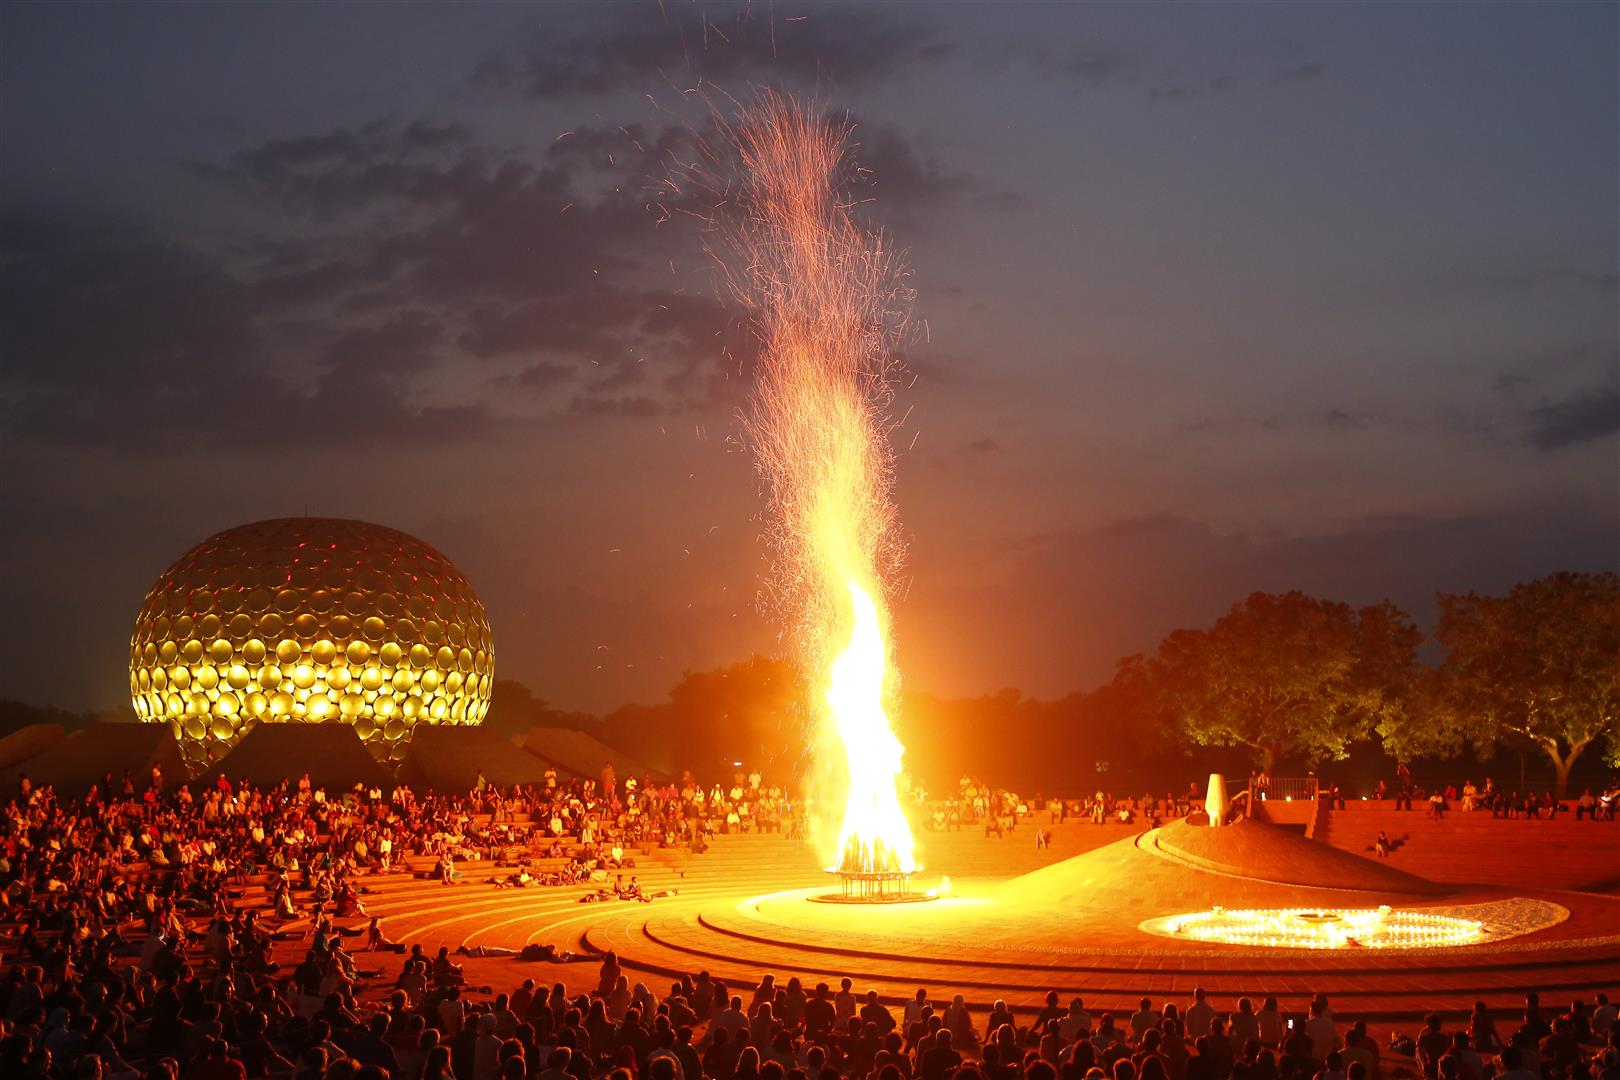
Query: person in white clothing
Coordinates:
[1198,1015]
[917,1007]
[1323,1035]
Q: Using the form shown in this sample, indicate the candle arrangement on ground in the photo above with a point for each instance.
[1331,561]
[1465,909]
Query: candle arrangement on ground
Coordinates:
[1324,928]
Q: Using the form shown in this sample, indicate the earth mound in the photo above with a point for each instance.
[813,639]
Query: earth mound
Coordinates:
[1252,849]
[1184,867]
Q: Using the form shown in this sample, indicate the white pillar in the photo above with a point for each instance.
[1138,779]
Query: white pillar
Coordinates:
[1215,803]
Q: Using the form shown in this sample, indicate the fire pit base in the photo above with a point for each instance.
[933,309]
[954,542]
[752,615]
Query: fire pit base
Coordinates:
[878,887]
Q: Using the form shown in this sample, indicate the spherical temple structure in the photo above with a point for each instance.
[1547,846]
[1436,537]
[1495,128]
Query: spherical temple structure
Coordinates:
[310,620]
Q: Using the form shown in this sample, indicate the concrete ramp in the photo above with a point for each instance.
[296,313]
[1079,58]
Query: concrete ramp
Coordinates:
[76,761]
[332,754]
[447,758]
[580,753]
[29,742]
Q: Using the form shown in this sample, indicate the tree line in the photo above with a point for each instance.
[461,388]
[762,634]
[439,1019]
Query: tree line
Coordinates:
[1292,675]
[1280,680]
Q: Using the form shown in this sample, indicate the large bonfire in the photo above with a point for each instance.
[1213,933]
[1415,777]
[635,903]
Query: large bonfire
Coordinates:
[830,303]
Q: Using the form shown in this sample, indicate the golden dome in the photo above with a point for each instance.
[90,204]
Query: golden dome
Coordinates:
[310,620]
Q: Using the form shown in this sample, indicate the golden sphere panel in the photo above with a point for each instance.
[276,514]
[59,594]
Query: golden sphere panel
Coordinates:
[309,620]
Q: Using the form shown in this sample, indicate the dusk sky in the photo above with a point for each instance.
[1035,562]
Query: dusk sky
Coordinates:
[1211,298]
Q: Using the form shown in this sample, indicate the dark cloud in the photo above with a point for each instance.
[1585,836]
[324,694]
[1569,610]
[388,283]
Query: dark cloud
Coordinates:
[494,258]
[636,407]
[353,168]
[1337,420]
[909,182]
[1087,66]
[117,338]
[406,342]
[1561,396]
[544,375]
[1297,73]
[587,324]
[1349,420]
[1512,384]
[1182,90]
[446,249]
[1580,417]
[1097,66]
[1186,88]
[113,305]
[547,260]
[645,47]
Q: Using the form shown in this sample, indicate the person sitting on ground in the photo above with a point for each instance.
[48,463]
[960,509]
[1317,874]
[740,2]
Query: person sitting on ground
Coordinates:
[1075,1021]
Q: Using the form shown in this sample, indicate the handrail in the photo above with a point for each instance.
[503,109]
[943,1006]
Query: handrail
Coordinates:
[1285,789]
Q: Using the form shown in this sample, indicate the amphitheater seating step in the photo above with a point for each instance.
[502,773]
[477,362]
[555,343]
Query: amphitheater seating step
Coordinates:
[1475,847]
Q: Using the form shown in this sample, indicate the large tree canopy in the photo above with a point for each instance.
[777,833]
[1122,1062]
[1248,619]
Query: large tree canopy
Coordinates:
[1539,666]
[1288,675]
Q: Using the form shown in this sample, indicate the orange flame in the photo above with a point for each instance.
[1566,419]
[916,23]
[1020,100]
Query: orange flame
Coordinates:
[830,303]
[875,834]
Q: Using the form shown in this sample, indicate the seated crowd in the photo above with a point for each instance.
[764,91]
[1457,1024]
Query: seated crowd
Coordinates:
[1000,812]
[1470,797]
[137,949]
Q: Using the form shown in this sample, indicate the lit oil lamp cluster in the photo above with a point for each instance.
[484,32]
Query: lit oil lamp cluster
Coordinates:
[1326,928]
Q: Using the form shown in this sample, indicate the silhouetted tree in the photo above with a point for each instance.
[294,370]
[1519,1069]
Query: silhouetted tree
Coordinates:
[514,709]
[751,711]
[1539,666]
[1288,675]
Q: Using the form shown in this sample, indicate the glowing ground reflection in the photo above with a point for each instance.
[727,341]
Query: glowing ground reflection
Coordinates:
[1321,928]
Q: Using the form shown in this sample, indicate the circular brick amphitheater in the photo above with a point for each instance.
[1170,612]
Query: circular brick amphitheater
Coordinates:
[1017,922]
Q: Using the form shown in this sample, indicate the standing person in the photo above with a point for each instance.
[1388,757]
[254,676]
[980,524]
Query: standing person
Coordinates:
[1143,1020]
[1321,1031]
[608,974]
[1273,1027]
[1197,1016]
[1244,1025]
